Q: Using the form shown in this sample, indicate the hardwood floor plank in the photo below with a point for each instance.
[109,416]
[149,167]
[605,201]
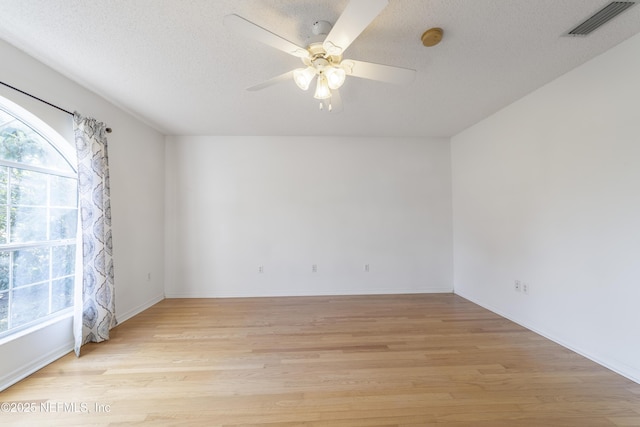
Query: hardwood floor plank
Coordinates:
[385,360]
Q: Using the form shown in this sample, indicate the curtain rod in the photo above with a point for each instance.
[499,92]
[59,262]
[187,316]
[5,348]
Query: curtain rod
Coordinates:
[108,130]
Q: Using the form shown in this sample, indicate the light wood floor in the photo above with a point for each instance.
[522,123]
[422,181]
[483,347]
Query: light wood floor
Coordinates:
[394,360]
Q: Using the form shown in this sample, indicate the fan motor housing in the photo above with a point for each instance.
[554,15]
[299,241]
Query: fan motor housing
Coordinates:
[317,53]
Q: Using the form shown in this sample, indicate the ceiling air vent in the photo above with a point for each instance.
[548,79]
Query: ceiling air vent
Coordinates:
[601,17]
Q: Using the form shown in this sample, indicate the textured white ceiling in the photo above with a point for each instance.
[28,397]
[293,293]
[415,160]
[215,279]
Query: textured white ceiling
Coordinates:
[174,64]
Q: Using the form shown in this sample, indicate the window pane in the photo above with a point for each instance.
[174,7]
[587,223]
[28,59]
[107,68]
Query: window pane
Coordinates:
[28,224]
[63,259]
[62,294]
[64,192]
[63,223]
[3,224]
[30,266]
[29,303]
[20,143]
[4,181]
[4,311]
[4,270]
[28,188]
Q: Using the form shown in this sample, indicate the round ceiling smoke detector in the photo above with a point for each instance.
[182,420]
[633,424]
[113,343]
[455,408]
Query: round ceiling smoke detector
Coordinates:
[432,37]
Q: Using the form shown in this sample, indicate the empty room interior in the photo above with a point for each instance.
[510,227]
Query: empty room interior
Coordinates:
[320,213]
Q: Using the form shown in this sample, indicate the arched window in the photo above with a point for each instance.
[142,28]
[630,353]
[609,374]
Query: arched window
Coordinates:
[38,220]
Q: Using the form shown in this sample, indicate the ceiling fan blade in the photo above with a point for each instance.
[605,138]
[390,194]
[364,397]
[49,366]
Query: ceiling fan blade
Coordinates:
[355,18]
[383,73]
[256,32]
[277,79]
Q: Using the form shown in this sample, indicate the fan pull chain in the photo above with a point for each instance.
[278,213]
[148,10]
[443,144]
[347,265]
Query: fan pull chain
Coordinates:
[329,108]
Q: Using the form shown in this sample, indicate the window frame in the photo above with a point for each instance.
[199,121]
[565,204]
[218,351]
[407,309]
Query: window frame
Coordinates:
[68,153]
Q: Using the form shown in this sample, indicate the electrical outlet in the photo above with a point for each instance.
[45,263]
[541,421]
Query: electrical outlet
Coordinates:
[517,285]
[526,287]
[366,268]
[314,268]
[261,269]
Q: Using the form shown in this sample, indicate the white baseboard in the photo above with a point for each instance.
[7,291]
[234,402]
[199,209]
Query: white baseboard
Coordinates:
[24,371]
[620,368]
[123,317]
[255,293]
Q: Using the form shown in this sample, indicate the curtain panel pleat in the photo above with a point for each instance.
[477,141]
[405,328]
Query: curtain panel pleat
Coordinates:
[94,313]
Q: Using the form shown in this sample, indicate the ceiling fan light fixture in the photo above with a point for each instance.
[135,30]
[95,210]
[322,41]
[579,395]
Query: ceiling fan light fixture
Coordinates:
[322,88]
[322,56]
[335,77]
[303,77]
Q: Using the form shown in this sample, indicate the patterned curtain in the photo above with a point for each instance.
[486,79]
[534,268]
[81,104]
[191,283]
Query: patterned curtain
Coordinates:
[94,302]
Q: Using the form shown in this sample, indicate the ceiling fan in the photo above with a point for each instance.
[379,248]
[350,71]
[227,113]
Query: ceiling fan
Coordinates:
[322,57]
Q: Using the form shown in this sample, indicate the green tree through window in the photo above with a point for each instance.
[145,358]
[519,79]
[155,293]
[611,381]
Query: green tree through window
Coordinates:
[38,219]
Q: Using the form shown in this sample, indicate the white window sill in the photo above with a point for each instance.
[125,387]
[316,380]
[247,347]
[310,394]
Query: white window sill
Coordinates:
[55,318]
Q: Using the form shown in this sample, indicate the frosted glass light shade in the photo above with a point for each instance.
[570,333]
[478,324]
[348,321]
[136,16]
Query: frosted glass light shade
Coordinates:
[335,77]
[322,88]
[303,77]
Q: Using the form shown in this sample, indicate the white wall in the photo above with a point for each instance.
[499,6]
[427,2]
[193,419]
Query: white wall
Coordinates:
[547,191]
[137,202]
[285,203]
